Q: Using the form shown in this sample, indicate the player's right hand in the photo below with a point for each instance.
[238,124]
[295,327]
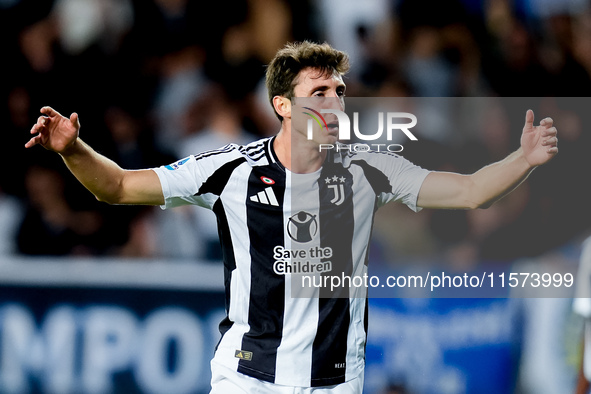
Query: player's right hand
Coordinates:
[54,131]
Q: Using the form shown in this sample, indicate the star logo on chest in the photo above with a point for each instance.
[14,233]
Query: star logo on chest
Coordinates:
[334,179]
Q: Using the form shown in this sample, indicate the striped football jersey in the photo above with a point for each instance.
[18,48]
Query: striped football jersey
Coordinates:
[276,227]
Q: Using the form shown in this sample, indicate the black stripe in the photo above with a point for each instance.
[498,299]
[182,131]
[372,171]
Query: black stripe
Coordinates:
[251,148]
[380,184]
[215,184]
[229,262]
[214,152]
[268,149]
[267,290]
[257,156]
[254,152]
[376,178]
[227,247]
[228,258]
[366,323]
[218,180]
[329,350]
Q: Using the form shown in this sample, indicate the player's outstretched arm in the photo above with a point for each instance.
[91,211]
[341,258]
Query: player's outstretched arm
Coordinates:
[487,185]
[103,177]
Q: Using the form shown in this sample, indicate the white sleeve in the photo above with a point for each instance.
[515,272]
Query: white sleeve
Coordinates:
[181,181]
[405,180]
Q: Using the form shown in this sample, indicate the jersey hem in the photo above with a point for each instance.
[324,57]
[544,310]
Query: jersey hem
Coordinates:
[315,382]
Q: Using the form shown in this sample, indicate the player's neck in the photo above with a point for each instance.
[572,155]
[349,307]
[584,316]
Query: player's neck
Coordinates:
[296,153]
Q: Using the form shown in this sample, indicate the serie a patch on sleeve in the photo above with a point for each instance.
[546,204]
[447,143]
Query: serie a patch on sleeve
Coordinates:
[177,165]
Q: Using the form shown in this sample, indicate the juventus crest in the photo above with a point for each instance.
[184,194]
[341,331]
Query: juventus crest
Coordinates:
[337,185]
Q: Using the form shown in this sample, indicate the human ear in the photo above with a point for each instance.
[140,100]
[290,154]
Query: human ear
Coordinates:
[282,106]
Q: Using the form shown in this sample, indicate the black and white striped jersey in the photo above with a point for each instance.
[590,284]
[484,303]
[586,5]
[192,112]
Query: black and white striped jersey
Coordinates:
[276,226]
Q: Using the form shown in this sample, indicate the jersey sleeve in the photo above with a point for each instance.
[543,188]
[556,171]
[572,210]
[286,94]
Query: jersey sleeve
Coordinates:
[183,182]
[399,179]
[180,183]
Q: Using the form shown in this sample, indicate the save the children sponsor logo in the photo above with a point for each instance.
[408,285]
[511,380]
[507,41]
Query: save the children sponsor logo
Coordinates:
[302,227]
[311,260]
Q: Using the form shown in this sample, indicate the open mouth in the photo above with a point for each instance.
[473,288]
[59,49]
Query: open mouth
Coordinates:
[332,127]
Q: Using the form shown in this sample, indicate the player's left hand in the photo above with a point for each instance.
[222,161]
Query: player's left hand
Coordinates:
[539,143]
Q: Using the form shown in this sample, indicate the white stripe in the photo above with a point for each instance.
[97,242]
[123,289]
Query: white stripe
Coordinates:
[362,197]
[263,197]
[241,276]
[271,195]
[300,321]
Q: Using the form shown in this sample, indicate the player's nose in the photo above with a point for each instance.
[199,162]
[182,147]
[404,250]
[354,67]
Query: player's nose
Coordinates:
[335,101]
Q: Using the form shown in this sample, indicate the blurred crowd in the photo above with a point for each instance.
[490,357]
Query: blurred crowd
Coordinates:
[156,80]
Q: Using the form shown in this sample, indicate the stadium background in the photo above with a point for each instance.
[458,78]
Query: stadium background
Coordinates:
[95,298]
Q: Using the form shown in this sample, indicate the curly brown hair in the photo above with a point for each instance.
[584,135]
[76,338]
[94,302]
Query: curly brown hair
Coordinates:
[283,70]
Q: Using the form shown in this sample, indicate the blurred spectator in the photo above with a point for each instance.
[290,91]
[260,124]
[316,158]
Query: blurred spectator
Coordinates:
[11,216]
[342,22]
[50,226]
[17,117]
[158,80]
[181,83]
[441,55]
[61,221]
[133,144]
[582,40]
[144,76]
[223,125]
[84,23]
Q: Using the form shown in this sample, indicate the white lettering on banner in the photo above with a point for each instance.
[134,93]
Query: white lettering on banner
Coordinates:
[24,350]
[345,125]
[18,331]
[165,351]
[164,327]
[60,326]
[416,342]
[108,345]
[357,147]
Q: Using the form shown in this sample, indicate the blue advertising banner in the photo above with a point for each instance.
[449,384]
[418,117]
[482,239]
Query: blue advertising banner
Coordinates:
[110,326]
[90,337]
[443,346]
